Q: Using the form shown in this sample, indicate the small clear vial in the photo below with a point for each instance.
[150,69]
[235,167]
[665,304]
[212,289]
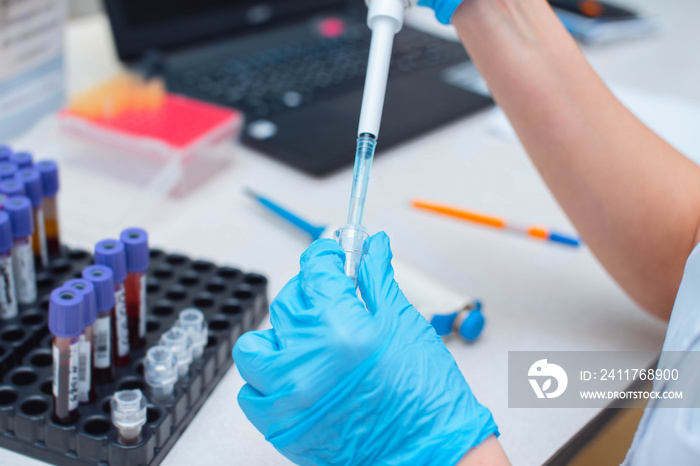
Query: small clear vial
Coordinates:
[8,295]
[179,343]
[129,415]
[353,240]
[160,371]
[110,253]
[20,211]
[192,320]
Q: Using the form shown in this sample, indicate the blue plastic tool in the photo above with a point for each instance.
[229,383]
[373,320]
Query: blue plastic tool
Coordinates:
[313,231]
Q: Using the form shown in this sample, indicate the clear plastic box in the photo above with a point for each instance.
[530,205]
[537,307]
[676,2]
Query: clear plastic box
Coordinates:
[109,182]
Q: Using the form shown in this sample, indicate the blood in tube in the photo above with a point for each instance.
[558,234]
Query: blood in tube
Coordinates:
[49,185]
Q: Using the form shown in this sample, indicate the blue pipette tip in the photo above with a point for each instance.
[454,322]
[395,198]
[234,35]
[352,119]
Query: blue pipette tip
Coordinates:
[315,232]
[442,323]
[565,239]
[251,193]
[472,325]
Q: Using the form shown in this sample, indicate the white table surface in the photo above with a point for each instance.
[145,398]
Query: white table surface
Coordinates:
[537,296]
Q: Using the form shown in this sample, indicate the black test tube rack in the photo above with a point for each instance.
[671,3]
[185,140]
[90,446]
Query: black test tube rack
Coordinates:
[233,302]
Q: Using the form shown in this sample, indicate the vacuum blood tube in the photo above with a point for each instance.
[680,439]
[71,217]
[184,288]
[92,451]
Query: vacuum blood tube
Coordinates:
[31,179]
[110,253]
[20,211]
[49,185]
[135,242]
[86,383]
[66,326]
[8,295]
[101,278]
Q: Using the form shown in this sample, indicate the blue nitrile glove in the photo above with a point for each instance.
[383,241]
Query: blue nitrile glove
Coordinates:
[332,383]
[444,9]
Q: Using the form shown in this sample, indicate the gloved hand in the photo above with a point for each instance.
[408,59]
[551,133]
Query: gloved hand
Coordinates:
[444,9]
[337,383]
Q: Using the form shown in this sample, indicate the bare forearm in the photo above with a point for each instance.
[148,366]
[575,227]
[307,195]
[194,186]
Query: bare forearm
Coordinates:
[634,199]
[488,453]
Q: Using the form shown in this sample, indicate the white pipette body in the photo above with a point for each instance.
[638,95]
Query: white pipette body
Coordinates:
[385,19]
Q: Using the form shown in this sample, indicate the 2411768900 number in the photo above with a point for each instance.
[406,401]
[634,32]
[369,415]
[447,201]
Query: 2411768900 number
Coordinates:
[639,374]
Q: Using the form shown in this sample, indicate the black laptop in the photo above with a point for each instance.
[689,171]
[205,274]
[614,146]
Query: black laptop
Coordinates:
[296,69]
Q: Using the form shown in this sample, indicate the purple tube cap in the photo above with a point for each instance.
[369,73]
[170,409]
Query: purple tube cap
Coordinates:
[110,253]
[89,307]
[64,312]
[12,187]
[31,179]
[136,245]
[103,281]
[22,159]
[20,211]
[49,177]
[6,239]
[7,170]
[5,153]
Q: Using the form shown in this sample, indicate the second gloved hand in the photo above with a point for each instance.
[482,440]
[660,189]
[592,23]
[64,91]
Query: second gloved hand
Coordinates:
[444,9]
[337,383]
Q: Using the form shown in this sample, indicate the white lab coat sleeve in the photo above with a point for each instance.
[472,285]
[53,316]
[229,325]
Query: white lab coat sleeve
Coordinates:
[672,435]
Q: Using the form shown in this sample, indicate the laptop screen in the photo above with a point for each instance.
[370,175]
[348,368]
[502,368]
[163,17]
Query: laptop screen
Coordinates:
[140,25]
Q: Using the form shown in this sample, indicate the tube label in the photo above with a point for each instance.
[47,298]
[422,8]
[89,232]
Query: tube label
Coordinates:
[122,322]
[103,344]
[142,306]
[23,268]
[8,300]
[84,369]
[72,369]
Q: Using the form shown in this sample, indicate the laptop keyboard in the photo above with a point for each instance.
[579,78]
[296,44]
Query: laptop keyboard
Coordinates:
[292,75]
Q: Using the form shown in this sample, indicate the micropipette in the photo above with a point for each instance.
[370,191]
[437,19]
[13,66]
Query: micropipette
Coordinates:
[385,19]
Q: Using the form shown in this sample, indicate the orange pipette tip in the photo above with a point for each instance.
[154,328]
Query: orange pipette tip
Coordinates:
[461,213]
[538,232]
[591,8]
